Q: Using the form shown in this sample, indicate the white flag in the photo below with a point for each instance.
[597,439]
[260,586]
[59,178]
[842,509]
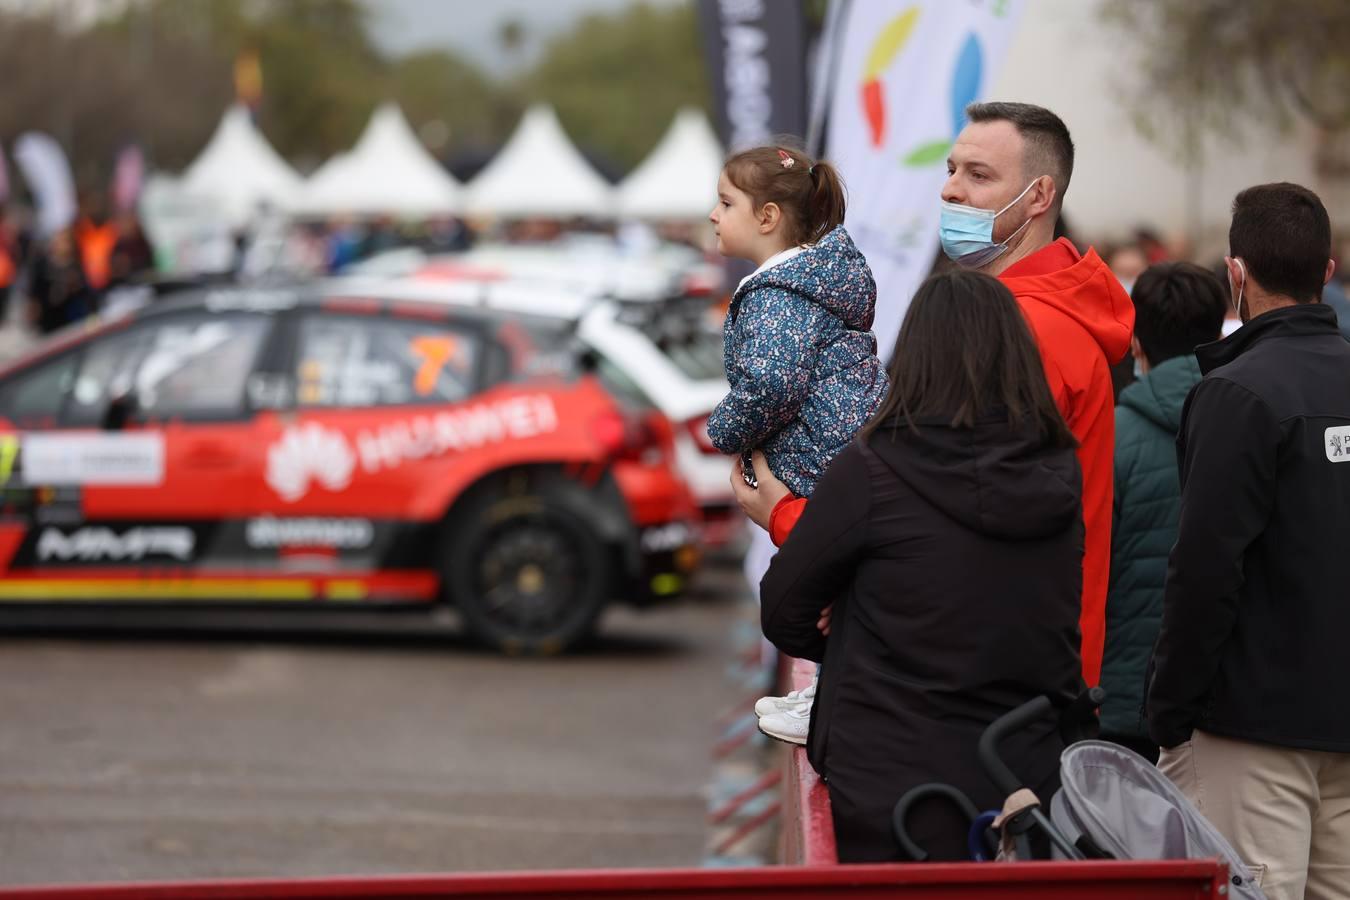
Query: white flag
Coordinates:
[904,71]
[47,172]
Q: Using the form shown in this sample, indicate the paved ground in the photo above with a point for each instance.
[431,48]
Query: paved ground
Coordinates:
[171,756]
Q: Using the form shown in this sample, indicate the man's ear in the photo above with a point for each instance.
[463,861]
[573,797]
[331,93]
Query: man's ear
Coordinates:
[769,216]
[1042,196]
[1331,270]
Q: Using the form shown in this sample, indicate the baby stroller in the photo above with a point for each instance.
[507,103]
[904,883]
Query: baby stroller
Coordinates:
[1112,804]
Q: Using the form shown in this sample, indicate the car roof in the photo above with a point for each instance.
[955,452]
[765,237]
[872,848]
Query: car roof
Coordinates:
[321,295]
[489,297]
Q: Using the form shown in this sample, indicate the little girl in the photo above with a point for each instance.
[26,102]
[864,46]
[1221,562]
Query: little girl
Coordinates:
[798,347]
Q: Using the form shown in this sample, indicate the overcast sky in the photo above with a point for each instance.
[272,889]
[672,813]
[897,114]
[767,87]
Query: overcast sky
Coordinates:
[471,27]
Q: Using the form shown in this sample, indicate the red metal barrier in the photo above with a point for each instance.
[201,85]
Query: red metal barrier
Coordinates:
[1176,880]
[807,835]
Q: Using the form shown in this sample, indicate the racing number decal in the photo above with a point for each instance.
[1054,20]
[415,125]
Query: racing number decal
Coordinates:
[435,351]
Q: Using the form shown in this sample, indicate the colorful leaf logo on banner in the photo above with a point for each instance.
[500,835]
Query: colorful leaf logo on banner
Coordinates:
[884,50]
[965,89]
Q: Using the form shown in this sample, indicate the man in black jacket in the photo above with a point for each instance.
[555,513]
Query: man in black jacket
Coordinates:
[1247,692]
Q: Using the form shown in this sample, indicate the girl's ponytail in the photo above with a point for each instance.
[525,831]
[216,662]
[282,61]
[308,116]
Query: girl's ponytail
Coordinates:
[825,207]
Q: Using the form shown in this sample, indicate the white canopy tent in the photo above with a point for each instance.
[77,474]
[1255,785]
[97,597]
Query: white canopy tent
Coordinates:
[238,172]
[387,172]
[678,179]
[539,173]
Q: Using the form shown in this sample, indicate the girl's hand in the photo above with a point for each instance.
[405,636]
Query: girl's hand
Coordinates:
[823,626]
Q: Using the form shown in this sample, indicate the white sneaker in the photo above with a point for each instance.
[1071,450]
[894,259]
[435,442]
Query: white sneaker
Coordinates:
[790,726]
[768,706]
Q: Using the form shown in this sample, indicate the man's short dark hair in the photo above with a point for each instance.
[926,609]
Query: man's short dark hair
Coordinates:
[1177,307]
[1049,149]
[1283,235]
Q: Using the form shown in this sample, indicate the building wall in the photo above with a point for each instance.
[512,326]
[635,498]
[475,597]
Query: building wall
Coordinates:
[1063,58]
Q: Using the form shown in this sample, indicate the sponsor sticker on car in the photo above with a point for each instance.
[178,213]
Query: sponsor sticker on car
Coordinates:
[313,453]
[92,459]
[97,543]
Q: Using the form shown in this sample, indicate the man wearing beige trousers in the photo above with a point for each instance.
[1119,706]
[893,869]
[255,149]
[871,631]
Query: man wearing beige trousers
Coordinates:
[1249,687]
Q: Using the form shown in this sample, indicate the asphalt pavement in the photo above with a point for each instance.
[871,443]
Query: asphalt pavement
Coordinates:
[170,756]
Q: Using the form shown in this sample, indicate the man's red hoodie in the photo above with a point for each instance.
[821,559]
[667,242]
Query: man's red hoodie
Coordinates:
[1082,320]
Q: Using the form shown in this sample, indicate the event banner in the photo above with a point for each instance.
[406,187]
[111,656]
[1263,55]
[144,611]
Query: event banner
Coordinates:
[757,59]
[902,72]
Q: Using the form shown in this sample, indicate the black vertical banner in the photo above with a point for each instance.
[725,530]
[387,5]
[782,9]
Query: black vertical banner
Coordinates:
[757,56]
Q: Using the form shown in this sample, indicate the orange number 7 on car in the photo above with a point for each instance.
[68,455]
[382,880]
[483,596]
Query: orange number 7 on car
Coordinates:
[435,351]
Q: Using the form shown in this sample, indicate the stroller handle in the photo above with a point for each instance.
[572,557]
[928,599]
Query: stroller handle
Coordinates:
[924,792]
[1079,710]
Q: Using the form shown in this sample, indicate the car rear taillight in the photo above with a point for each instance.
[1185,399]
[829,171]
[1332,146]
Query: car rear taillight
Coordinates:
[699,429]
[630,437]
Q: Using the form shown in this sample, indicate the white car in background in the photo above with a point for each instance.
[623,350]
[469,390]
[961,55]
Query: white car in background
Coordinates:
[668,356]
[597,265]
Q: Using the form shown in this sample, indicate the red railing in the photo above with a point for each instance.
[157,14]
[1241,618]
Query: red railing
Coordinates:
[807,835]
[1179,880]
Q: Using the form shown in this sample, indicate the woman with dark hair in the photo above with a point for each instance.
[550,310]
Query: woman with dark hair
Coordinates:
[949,538]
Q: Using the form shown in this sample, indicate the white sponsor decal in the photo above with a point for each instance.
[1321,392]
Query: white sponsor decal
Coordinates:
[314,452]
[664,538]
[309,452]
[1337,443]
[343,534]
[476,426]
[253,300]
[93,544]
[92,459]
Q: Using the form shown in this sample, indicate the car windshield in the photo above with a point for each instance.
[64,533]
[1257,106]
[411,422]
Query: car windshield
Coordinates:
[684,332]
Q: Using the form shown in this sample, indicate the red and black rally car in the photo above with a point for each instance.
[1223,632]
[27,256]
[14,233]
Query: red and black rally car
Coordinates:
[245,447]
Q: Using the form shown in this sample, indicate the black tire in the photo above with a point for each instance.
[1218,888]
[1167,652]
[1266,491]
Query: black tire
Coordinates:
[529,578]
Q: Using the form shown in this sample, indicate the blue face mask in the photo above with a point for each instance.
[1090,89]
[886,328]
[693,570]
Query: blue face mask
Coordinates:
[967,233]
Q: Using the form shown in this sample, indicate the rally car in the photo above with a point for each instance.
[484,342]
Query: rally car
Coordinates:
[665,349]
[281,447]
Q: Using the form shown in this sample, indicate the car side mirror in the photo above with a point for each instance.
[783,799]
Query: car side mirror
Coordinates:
[588,361]
[119,411]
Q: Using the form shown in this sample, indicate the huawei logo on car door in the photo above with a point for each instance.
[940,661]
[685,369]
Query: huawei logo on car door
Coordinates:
[309,453]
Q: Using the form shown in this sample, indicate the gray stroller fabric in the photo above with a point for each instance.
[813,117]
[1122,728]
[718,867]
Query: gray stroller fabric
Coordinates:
[1132,811]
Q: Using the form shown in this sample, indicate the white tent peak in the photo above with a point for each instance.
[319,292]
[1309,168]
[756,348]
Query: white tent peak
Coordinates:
[539,173]
[388,171]
[678,179]
[239,171]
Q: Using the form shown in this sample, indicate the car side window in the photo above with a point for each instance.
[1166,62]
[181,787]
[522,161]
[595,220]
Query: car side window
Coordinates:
[366,361]
[33,399]
[193,366]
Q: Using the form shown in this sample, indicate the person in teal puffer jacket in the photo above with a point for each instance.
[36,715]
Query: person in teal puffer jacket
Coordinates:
[1178,306]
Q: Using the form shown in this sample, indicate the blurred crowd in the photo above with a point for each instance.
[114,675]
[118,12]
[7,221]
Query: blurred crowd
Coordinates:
[46,284]
[54,282]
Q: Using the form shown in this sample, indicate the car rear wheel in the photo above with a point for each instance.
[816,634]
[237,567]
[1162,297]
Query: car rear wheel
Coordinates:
[527,578]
